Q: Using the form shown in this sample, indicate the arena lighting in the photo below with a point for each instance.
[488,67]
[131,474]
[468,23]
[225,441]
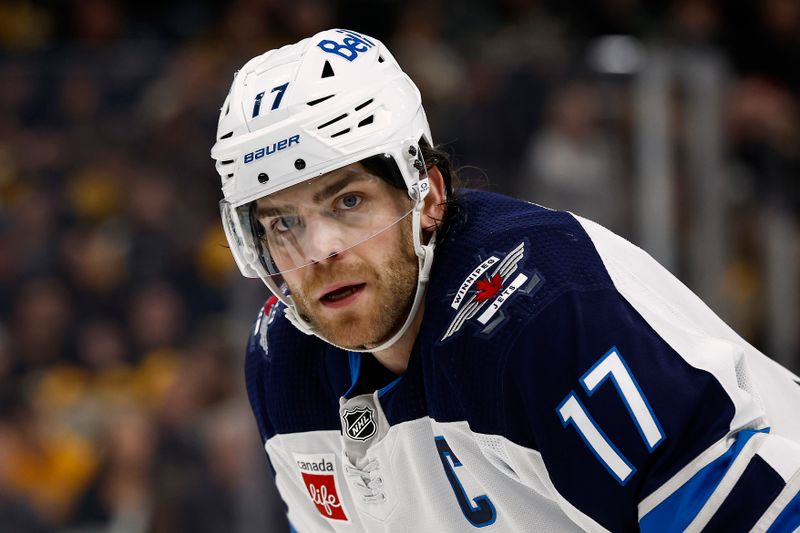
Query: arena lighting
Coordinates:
[616,54]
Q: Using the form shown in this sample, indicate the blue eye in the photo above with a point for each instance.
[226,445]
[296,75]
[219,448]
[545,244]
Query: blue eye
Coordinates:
[348,201]
[286,223]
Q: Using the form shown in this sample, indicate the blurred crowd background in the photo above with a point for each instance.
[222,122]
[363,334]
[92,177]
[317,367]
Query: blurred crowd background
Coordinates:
[122,318]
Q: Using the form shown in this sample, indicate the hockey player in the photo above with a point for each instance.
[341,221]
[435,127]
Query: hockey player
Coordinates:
[436,360]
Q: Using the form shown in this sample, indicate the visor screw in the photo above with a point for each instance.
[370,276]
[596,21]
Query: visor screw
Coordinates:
[412,151]
[299,164]
[263,178]
[418,164]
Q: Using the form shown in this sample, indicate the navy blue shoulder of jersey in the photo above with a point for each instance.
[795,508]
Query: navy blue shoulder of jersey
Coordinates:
[529,339]
[293,380]
[502,263]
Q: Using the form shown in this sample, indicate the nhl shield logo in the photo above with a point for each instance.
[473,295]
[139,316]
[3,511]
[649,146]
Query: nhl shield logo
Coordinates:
[359,423]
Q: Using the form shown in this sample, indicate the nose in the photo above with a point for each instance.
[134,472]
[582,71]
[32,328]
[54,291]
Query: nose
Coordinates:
[325,241]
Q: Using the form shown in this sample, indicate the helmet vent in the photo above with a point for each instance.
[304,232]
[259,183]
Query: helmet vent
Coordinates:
[365,104]
[327,70]
[226,162]
[340,133]
[227,108]
[380,59]
[320,100]
[366,121]
[227,135]
[337,119]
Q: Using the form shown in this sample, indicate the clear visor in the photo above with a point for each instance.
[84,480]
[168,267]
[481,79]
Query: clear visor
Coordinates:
[328,215]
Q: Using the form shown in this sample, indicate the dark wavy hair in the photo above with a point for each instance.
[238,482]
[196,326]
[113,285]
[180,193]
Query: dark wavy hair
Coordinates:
[433,156]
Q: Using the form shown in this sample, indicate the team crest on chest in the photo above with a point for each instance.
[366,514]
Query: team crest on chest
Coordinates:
[489,286]
[359,423]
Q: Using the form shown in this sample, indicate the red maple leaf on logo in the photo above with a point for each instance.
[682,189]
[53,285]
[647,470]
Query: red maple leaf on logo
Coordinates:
[488,288]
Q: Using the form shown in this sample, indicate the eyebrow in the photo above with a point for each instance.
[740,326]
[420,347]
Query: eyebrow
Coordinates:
[320,196]
[263,212]
[332,188]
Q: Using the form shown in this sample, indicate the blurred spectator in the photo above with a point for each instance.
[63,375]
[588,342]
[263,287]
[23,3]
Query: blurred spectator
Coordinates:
[6,361]
[101,345]
[40,324]
[44,463]
[572,165]
[157,317]
[24,25]
[15,508]
[765,136]
[763,38]
[125,486]
[94,264]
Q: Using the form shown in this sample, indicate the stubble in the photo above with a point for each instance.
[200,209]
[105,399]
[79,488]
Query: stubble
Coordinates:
[392,281]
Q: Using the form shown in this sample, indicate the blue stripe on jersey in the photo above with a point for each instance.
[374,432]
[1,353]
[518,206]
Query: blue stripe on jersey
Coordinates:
[354,361]
[753,493]
[679,509]
[389,387]
[789,519]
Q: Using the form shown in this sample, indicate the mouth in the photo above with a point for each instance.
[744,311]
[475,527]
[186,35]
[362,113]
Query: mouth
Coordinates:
[342,295]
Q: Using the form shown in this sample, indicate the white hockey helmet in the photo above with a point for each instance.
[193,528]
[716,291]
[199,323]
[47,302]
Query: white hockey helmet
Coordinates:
[304,110]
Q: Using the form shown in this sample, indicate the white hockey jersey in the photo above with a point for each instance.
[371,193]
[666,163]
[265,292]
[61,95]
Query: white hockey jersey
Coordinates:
[562,381]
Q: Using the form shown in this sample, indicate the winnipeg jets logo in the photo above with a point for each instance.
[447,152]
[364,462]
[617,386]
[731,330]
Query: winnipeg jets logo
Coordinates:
[359,423]
[487,288]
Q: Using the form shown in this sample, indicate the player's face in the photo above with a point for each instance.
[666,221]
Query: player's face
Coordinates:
[344,247]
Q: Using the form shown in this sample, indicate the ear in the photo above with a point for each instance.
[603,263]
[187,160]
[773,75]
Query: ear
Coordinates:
[433,211]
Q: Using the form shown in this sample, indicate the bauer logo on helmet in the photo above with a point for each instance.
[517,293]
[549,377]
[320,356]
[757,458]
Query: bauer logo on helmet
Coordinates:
[269,150]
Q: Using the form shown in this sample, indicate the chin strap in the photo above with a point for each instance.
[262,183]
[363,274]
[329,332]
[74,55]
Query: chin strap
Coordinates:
[299,323]
[425,263]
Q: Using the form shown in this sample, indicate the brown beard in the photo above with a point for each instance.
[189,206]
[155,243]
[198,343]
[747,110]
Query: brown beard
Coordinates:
[393,282]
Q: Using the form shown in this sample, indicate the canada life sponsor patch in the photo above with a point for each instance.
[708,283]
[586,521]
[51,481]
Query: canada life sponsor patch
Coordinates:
[318,472]
[490,285]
